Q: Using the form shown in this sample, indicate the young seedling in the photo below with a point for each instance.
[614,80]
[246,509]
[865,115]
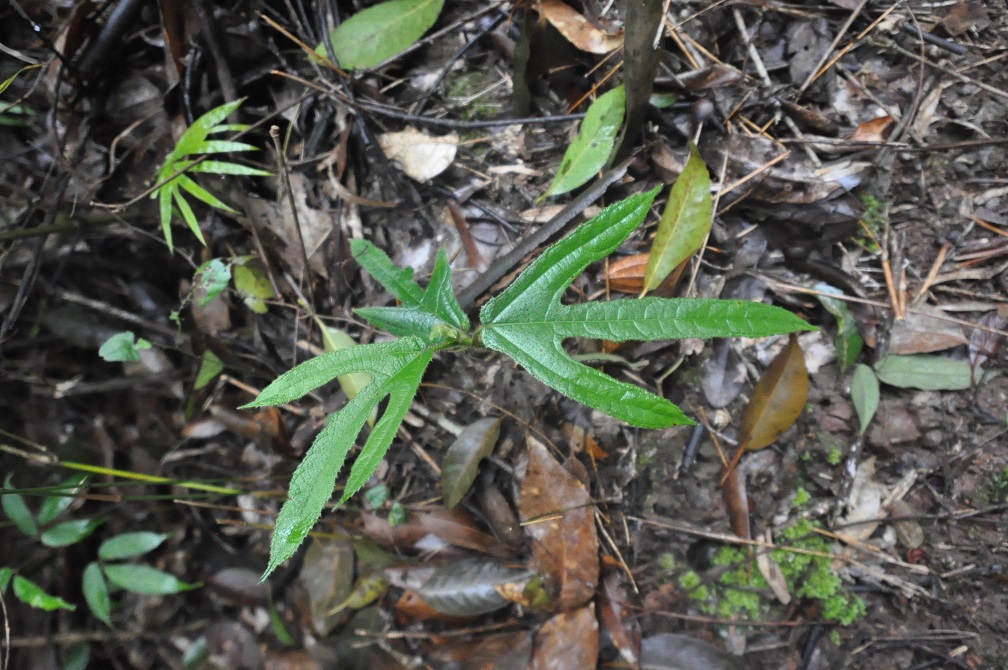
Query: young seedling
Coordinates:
[527,322]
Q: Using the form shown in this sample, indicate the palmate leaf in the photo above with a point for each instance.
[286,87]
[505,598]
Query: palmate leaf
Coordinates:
[396,369]
[422,310]
[194,142]
[528,322]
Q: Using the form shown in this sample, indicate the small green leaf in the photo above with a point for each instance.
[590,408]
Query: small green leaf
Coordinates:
[213,277]
[123,347]
[397,369]
[849,342]
[397,281]
[5,577]
[17,511]
[145,580]
[594,144]
[222,167]
[96,593]
[684,224]
[380,32]
[78,657]
[397,514]
[56,503]
[253,286]
[376,496]
[32,594]
[528,322]
[69,532]
[210,367]
[864,391]
[928,373]
[129,545]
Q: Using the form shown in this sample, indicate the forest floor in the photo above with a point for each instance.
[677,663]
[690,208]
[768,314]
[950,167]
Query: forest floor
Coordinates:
[856,150]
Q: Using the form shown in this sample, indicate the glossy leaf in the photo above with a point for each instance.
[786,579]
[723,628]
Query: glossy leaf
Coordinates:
[864,391]
[461,461]
[69,532]
[684,224]
[928,373]
[96,593]
[129,545]
[380,32]
[594,144]
[396,369]
[849,342]
[17,511]
[145,580]
[32,594]
[528,322]
[778,398]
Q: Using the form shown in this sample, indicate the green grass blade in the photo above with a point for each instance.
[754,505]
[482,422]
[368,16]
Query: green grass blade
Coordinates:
[188,216]
[221,147]
[204,195]
[224,167]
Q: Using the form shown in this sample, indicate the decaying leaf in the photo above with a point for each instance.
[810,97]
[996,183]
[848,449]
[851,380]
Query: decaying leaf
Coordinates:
[446,527]
[617,618]
[461,461]
[724,375]
[578,30]
[328,576]
[626,274]
[733,491]
[471,586]
[924,332]
[421,156]
[771,571]
[864,504]
[557,512]
[499,651]
[668,651]
[778,398]
[984,344]
[568,640]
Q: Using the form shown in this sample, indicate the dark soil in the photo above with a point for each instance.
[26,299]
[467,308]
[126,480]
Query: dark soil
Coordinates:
[896,158]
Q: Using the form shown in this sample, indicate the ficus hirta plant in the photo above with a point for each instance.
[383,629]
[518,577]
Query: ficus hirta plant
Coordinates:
[527,321]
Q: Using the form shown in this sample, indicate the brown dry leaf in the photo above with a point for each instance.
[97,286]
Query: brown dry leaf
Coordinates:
[557,512]
[864,503]
[577,29]
[499,515]
[923,331]
[778,398]
[289,659]
[724,375]
[983,344]
[568,640]
[873,130]
[462,530]
[963,16]
[626,275]
[908,530]
[421,156]
[499,651]
[581,440]
[617,618]
[461,461]
[733,491]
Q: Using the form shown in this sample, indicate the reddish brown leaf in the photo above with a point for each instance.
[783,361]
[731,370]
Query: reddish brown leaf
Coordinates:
[734,493]
[453,527]
[557,512]
[501,651]
[923,332]
[577,29]
[568,640]
[873,130]
[499,515]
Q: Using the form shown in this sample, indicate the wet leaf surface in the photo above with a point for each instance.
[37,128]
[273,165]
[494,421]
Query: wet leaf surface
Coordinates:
[461,461]
[778,398]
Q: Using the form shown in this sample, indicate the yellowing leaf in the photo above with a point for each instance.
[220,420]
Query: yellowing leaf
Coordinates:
[684,223]
[778,399]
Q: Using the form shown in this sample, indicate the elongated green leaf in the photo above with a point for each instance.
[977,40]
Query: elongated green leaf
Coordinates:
[56,503]
[196,133]
[864,390]
[32,594]
[849,342]
[528,322]
[380,32]
[397,281]
[129,545]
[194,189]
[69,532]
[16,509]
[223,167]
[594,144]
[684,224]
[396,373]
[928,373]
[96,593]
[220,147]
[145,580]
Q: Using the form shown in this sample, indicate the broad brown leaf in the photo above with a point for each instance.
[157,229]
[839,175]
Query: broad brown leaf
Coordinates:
[557,512]
[778,399]
[568,640]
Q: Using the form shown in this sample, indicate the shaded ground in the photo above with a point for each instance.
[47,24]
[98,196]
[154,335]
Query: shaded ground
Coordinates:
[893,155]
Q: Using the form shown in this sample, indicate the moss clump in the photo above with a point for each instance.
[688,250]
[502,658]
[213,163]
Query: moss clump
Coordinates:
[994,489]
[834,456]
[801,497]
[743,592]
